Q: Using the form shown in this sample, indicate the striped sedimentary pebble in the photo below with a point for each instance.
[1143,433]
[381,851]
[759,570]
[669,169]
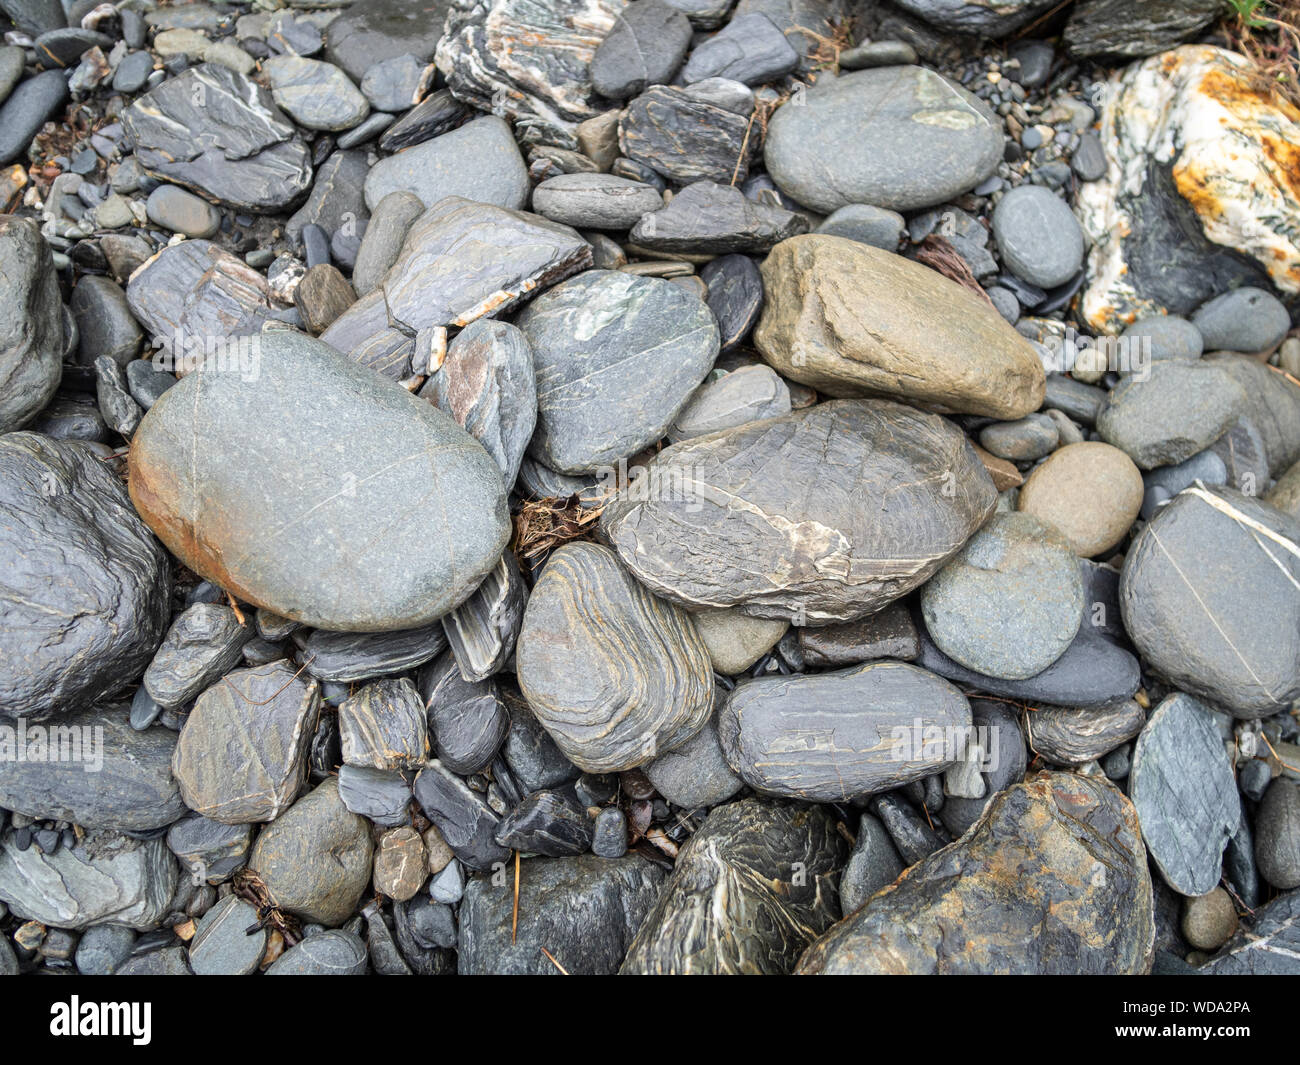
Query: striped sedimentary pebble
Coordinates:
[1076,735]
[383,726]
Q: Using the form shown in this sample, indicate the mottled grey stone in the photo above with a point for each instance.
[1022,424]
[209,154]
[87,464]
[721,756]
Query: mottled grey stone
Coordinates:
[1119,29]
[877,226]
[31,323]
[889,633]
[1165,336]
[750,49]
[685,138]
[988,18]
[1078,735]
[1244,319]
[211,852]
[1040,239]
[119,410]
[708,218]
[369,32]
[382,726]
[1272,406]
[334,952]
[222,944]
[595,201]
[1277,834]
[694,775]
[397,83]
[646,47]
[377,794]
[345,657]
[735,296]
[102,948]
[105,325]
[337,203]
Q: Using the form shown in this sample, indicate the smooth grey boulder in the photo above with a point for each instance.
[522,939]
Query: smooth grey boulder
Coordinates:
[1277,834]
[85,589]
[435,169]
[928,140]
[1208,594]
[877,226]
[1245,319]
[316,95]
[93,770]
[645,47]
[1165,336]
[850,525]
[584,911]
[105,877]
[615,675]
[606,386]
[709,218]
[748,892]
[842,735]
[390,221]
[31,104]
[31,323]
[291,526]
[595,201]
[1182,785]
[1040,239]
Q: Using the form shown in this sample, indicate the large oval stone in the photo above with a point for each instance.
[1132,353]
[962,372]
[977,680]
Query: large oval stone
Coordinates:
[31,323]
[615,675]
[319,490]
[1052,879]
[852,320]
[823,515]
[832,737]
[899,137]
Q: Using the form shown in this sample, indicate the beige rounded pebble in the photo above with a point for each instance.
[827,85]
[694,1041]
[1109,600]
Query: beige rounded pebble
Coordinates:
[1209,920]
[734,640]
[1091,491]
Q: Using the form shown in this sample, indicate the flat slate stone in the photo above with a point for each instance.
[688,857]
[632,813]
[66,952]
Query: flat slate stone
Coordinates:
[436,168]
[584,912]
[463,817]
[605,388]
[531,755]
[646,47]
[888,633]
[748,892]
[850,525]
[100,773]
[873,864]
[748,394]
[316,95]
[848,319]
[595,201]
[31,104]
[382,796]
[1270,946]
[214,131]
[483,629]
[708,218]
[337,203]
[1115,29]
[317,572]
[685,138]
[928,141]
[552,823]
[344,657]
[834,737]
[222,945]
[750,49]
[396,84]
[31,323]
[996,900]
[614,674]
[204,642]
[468,719]
[333,952]
[988,18]
[85,589]
[1208,593]
[211,852]
[735,296]
[382,726]
[1186,798]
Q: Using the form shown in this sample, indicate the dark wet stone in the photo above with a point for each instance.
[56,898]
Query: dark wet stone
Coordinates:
[419,926]
[748,892]
[315,857]
[465,820]
[31,322]
[102,949]
[609,833]
[333,952]
[75,417]
[832,737]
[1277,834]
[133,72]
[604,388]
[532,756]
[336,201]
[646,47]
[1269,946]
[214,131]
[911,832]
[303,388]
[551,823]
[203,643]
[614,674]
[1054,833]
[1116,30]
[877,54]
[585,911]
[210,851]
[1078,735]
[890,633]
[1272,406]
[748,394]
[99,774]
[85,594]
[468,720]
[438,113]
[1089,158]
[346,657]
[1182,785]
[33,103]
[750,49]
[994,758]
[708,218]
[482,630]
[684,138]
[382,796]
[322,297]
[121,413]
[370,32]
[677,528]
[873,864]
[1209,599]
[105,325]
[435,169]
[146,382]
[735,296]
[487,384]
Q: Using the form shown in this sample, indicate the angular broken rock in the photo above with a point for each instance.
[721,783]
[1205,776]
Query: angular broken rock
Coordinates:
[851,320]
[382,726]
[1183,787]
[685,138]
[290,525]
[1052,879]
[708,218]
[835,737]
[854,521]
[465,820]
[85,589]
[748,892]
[204,642]
[31,323]
[483,629]
[615,675]
[216,132]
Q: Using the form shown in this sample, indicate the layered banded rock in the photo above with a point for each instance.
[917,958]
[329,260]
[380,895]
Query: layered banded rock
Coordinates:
[1269,947]
[31,323]
[709,218]
[1119,29]
[1052,879]
[483,629]
[1078,735]
[214,131]
[856,519]
[289,525]
[606,387]
[685,137]
[1174,222]
[615,675]
[84,587]
[851,320]
[748,892]
[382,726]
[928,140]
[834,737]
[1208,593]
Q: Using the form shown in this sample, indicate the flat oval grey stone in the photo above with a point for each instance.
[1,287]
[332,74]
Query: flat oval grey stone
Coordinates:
[709,218]
[1040,239]
[646,46]
[751,49]
[595,201]
[850,525]
[295,534]
[317,95]
[222,946]
[334,952]
[838,736]
[204,641]
[605,386]
[928,140]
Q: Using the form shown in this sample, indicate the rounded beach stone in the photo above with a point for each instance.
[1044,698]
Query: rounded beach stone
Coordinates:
[290,525]
[1038,236]
[615,675]
[1091,492]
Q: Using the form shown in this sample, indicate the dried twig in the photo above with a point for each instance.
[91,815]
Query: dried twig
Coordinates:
[937,253]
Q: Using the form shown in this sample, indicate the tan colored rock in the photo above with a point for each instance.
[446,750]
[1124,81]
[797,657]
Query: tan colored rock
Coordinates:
[852,320]
[401,864]
[1209,920]
[1091,492]
[1004,473]
[734,640]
